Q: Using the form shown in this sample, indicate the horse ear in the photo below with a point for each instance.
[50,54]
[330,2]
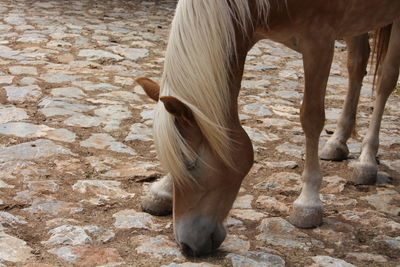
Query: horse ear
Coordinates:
[177,108]
[151,88]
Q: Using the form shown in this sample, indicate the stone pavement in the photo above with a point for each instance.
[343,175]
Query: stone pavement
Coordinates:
[76,153]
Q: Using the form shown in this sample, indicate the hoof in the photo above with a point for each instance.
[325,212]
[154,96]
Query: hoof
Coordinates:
[156,205]
[364,173]
[306,216]
[334,151]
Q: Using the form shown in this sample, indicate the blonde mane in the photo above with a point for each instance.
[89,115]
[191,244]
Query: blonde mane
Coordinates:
[196,71]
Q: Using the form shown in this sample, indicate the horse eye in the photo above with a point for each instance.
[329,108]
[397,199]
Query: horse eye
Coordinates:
[191,165]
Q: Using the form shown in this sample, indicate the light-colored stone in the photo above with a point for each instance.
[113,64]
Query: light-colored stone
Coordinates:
[255,259]
[23,93]
[68,235]
[247,214]
[12,113]
[327,261]
[105,141]
[367,257]
[131,219]
[96,54]
[32,150]
[108,188]
[18,70]
[157,247]
[13,249]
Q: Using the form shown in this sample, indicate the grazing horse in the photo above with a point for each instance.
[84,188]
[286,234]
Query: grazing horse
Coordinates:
[197,131]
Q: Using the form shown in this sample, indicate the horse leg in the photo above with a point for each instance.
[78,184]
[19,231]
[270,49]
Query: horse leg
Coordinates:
[317,58]
[158,201]
[365,170]
[357,61]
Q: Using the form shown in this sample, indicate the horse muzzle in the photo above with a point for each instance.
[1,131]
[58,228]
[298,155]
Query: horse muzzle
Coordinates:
[199,236]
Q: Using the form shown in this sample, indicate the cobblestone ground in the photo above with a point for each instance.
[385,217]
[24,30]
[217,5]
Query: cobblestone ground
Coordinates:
[76,153]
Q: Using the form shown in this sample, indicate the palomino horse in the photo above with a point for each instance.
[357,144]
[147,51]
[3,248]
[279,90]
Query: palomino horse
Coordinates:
[197,131]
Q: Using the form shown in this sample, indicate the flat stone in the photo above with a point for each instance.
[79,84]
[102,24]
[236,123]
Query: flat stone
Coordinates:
[121,96]
[335,232]
[270,203]
[43,186]
[255,259]
[247,214]
[18,70]
[111,167]
[191,264]
[23,93]
[255,84]
[131,219]
[12,113]
[68,235]
[32,38]
[50,112]
[335,184]
[326,261]
[371,219]
[367,257]
[13,249]
[6,79]
[108,188]
[96,54]
[281,164]
[385,200]
[157,247]
[257,109]
[99,87]
[62,135]
[337,200]
[54,207]
[49,102]
[289,74]
[78,120]
[123,80]
[392,242]
[139,131]
[116,112]
[105,141]
[9,219]
[260,136]
[20,169]
[68,92]
[88,256]
[59,78]
[23,129]
[281,181]
[288,94]
[243,202]
[392,164]
[277,231]
[291,150]
[32,150]
[130,53]
[14,20]
[235,244]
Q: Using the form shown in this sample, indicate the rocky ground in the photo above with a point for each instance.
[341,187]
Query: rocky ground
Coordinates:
[76,151]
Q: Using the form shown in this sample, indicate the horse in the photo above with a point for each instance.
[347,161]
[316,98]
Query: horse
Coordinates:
[197,131]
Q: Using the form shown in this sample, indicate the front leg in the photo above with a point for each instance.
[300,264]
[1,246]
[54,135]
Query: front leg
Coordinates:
[317,58]
[158,201]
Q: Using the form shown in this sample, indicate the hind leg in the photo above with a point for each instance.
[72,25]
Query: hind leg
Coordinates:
[158,201]
[357,60]
[365,170]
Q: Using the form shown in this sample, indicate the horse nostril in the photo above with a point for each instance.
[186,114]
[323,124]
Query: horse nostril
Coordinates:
[187,250]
